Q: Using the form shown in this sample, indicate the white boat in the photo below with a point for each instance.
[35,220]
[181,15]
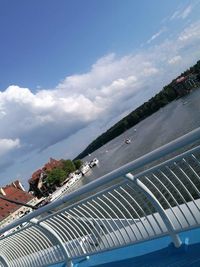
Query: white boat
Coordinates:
[127,141]
[84,168]
[55,195]
[78,175]
[74,177]
[94,162]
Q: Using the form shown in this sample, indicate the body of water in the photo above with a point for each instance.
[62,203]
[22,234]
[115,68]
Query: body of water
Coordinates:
[172,121]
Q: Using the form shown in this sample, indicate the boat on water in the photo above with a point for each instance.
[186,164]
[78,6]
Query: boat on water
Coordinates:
[74,177]
[85,168]
[78,175]
[93,162]
[127,141]
[55,195]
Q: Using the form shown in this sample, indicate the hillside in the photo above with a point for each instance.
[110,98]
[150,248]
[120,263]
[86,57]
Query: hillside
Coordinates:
[179,87]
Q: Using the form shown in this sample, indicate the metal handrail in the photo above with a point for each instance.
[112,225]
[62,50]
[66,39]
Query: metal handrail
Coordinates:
[158,153]
[161,200]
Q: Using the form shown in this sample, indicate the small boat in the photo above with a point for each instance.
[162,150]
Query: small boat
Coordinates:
[78,174]
[127,141]
[84,168]
[93,162]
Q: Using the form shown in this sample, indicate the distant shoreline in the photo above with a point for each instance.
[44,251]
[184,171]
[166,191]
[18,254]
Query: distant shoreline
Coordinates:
[179,87]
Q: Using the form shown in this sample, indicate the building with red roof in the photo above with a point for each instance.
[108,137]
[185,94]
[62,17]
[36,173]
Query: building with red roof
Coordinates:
[15,191]
[53,163]
[185,84]
[37,180]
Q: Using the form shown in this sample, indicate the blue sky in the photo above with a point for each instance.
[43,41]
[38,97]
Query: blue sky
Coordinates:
[71,69]
[44,41]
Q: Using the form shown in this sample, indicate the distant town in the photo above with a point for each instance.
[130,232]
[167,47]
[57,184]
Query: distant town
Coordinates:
[53,180]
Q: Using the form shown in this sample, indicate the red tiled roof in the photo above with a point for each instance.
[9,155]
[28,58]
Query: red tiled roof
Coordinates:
[53,163]
[17,184]
[13,193]
[35,175]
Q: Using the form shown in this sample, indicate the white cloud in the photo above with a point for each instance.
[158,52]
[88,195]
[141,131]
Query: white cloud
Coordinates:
[156,35]
[182,13]
[48,116]
[186,12]
[112,87]
[6,145]
[191,33]
[175,60]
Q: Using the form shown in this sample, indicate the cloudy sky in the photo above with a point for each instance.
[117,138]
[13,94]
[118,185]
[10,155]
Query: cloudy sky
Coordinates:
[71,69]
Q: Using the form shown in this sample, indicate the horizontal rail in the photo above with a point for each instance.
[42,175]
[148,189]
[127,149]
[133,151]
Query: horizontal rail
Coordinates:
[134,165]
[161,200]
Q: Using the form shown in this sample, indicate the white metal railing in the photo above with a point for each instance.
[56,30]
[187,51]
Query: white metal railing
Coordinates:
[126,206]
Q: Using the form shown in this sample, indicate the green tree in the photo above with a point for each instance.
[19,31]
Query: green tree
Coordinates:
[56,176]
[68,166]
[78,163]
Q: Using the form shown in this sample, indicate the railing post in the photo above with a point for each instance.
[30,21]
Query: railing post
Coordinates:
[48,231]
[3,261]
[169,225]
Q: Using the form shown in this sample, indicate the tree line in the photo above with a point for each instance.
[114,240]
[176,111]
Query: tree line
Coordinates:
[165,96]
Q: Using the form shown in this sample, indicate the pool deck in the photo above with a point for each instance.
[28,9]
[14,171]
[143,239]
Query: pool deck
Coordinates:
[155,253]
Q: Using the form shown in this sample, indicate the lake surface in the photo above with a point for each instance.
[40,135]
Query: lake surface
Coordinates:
[174,120]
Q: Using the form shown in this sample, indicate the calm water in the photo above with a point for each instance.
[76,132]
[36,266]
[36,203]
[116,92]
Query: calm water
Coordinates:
[177,118]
